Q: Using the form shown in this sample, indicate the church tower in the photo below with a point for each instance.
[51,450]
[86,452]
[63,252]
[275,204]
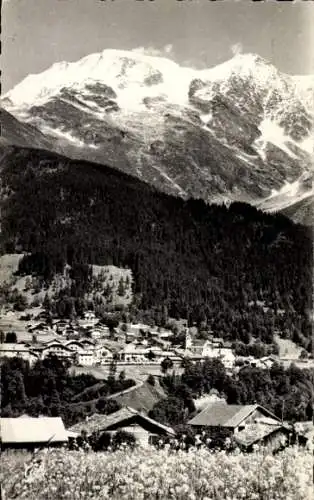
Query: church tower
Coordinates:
[188,340]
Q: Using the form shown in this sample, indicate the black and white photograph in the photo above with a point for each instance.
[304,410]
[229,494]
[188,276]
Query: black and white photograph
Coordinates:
[156,250]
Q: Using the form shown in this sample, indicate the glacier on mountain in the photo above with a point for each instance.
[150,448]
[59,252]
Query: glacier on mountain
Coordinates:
[129,73]
[290,193]
[235,131]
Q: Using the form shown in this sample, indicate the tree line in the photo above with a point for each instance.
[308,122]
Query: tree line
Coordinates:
[50,388]
[287,392]
[240,271]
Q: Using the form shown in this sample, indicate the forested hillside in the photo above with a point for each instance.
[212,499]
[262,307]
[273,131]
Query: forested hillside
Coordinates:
[49,388]
[241,271]
[285,392]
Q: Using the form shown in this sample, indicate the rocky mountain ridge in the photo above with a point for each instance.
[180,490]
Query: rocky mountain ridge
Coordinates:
[239,131]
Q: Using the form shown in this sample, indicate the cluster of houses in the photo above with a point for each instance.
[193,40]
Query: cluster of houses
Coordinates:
[83,352]
[248,425]
[87,352]
[264,362]
[212,347]
[88,342]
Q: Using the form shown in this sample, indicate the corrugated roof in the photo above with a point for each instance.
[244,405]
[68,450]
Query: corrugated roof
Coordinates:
[32,430]
[221,414]
[240,413]
[98,422]
[119,416]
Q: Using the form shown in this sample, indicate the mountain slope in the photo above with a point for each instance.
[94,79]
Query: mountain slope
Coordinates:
[301,211]
[295,200]
[236,131]
[188,259]
[14,131]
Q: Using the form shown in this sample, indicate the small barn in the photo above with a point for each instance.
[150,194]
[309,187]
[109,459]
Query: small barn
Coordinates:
[232,417]
[273,437]
[222,420]
[32,432]
[144,429]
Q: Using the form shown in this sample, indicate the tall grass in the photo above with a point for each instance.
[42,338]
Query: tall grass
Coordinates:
[147,474]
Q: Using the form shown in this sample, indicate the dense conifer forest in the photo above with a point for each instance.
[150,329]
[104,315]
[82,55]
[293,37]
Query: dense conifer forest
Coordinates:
[240,271]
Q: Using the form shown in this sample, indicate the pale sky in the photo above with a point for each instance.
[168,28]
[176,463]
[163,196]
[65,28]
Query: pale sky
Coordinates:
[198,33]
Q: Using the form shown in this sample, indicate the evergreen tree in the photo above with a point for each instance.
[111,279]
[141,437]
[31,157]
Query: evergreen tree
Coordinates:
[166,364]
[121,288]
[20,394]
[112,371]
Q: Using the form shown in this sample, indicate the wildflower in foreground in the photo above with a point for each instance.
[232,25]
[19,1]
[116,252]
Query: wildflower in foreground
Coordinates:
[154,474]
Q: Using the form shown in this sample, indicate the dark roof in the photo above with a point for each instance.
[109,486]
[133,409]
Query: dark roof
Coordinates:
[98,423]
[53,344]
[221,414]
[199,343]
[87,341]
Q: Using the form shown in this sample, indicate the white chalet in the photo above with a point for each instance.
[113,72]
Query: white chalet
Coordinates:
[56,349]
[91,354]
[99,331]
[74,345]
[86,358]
[131,353]
[18,350]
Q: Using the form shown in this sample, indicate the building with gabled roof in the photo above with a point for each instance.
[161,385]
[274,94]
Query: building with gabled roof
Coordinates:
[247,424]
[87,343]
[58,349]
[212,347]
[74,345]
[22,351]
[274,437]
[127,419]
[233,417]
[271,435]
[32,432]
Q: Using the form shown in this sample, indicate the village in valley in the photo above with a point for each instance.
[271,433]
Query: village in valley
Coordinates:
[156,250]
[144,354]
[130,365]
[87,342]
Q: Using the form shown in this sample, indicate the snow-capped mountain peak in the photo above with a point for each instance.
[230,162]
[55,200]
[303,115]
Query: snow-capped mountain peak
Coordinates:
[119,69]
[129,70]
[241,65]
[240,130]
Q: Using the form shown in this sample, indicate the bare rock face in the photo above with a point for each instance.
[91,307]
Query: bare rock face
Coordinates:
[239,131]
